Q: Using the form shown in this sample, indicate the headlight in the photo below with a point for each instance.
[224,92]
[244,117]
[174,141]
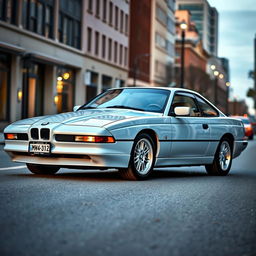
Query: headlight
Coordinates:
[95,139]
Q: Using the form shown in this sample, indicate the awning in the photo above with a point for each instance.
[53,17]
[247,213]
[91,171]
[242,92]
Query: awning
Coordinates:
[11,48]
[46,59]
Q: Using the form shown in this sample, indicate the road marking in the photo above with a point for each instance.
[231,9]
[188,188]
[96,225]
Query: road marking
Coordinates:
[13,167]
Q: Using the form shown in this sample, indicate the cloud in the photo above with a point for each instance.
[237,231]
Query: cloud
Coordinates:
[231,5]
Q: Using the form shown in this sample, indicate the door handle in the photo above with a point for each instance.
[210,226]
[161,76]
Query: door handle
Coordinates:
[205,126]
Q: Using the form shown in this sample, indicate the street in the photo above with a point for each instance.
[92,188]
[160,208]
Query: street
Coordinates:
[179,211]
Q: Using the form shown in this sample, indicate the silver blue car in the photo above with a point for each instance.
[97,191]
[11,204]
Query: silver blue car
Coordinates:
[133,130]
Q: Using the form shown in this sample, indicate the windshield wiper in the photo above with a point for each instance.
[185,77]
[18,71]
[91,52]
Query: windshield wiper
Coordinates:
[127,107]
[87,108]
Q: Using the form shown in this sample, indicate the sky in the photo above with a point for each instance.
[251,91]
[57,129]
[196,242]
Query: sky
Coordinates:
[237,30]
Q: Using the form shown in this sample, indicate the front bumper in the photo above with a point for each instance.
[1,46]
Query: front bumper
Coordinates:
[71,154]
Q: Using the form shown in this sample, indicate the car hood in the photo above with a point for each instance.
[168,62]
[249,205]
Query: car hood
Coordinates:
[92,117]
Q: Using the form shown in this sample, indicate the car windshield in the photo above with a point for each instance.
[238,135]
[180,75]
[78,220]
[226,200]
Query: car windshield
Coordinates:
[153,100]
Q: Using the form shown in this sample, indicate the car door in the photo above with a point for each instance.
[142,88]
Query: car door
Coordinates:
[190,134]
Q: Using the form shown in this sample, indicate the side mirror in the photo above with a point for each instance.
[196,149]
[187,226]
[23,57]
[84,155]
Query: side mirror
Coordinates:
[182,111]
[75,108]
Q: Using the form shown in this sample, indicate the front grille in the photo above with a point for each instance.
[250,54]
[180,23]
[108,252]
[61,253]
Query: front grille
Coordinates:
[34,134]
[45,133]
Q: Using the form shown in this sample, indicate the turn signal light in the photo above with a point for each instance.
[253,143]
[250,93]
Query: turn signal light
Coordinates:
[11,136]
[95,139]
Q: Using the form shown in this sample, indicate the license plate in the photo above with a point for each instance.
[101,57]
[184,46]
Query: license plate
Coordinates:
[40,147]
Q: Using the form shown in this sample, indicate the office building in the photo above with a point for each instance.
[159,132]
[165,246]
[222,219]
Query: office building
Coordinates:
[55,54]
[205,18]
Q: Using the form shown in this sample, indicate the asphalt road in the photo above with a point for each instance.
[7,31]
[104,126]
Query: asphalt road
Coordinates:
[180,211]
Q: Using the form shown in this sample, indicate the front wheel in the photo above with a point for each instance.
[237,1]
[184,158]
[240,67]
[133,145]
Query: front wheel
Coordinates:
[42,169]
[222,160]
[142,159]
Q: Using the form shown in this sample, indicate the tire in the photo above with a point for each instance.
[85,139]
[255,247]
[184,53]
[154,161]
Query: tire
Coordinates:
[42,169]
[251,137]
[142,159]
[222,160]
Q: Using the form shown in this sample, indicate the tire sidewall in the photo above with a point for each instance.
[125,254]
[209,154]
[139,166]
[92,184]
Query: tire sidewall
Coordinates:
[217,162]
[131,163]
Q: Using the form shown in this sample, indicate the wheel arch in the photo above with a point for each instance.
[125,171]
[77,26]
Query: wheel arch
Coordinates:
[230,137]
[153,136]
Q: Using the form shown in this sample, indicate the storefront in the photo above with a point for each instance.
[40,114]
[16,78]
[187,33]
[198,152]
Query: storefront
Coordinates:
[65,84]
[32,89]
[5,66]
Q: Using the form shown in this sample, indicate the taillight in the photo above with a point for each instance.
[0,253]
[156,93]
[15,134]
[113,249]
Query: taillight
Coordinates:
[95,139]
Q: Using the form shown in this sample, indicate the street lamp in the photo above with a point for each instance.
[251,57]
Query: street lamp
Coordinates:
[228,87]
[136,66]
[216,74]
[183,27]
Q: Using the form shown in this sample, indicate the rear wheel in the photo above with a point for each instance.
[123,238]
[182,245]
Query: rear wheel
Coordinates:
[222,160]
[42,169]
[142,159]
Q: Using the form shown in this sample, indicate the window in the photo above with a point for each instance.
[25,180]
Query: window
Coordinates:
[106,82]
[115,53]
[161,15]
[103,47]
[126,24]
[110,49]
[121,21]
[104,10]
[8,11]
[116,17]
[89,39]
[90,6]
[65,89]
[121,54]
[37,16]
[170,25]
[110,13]
[98,8]
[183,100]
[207,110]
[70,23]
[160,41]
[96,50]
[191,7]
[125,56]
[170,48]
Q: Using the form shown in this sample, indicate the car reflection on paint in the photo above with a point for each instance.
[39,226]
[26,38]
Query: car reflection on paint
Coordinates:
[132,130]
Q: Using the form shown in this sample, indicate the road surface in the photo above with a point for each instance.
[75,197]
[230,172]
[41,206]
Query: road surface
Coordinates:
[180,211]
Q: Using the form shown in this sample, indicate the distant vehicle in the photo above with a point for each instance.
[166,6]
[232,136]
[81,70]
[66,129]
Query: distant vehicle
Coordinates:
[132,130]
[248,128]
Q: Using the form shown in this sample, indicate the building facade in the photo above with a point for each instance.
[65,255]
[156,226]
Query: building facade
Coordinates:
[206,19]
[55,54]
[152,37]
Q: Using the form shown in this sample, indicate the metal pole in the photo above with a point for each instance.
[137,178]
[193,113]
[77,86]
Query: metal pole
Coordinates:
[227,106]
[216,91]
[254,69]
[182,72]
[135,72]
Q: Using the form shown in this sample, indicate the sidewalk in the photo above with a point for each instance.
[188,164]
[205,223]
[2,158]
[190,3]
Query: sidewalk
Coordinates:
[1,138]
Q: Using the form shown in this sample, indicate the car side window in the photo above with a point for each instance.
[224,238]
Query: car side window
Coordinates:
[185,101]
[207,110]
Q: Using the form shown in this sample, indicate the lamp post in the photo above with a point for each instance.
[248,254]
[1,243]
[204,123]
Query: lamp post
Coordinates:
[135,65]
[216,74]
[227,106]
[183,27]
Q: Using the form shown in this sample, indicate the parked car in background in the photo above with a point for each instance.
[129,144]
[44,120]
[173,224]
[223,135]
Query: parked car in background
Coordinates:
[132,130]
[248,127]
